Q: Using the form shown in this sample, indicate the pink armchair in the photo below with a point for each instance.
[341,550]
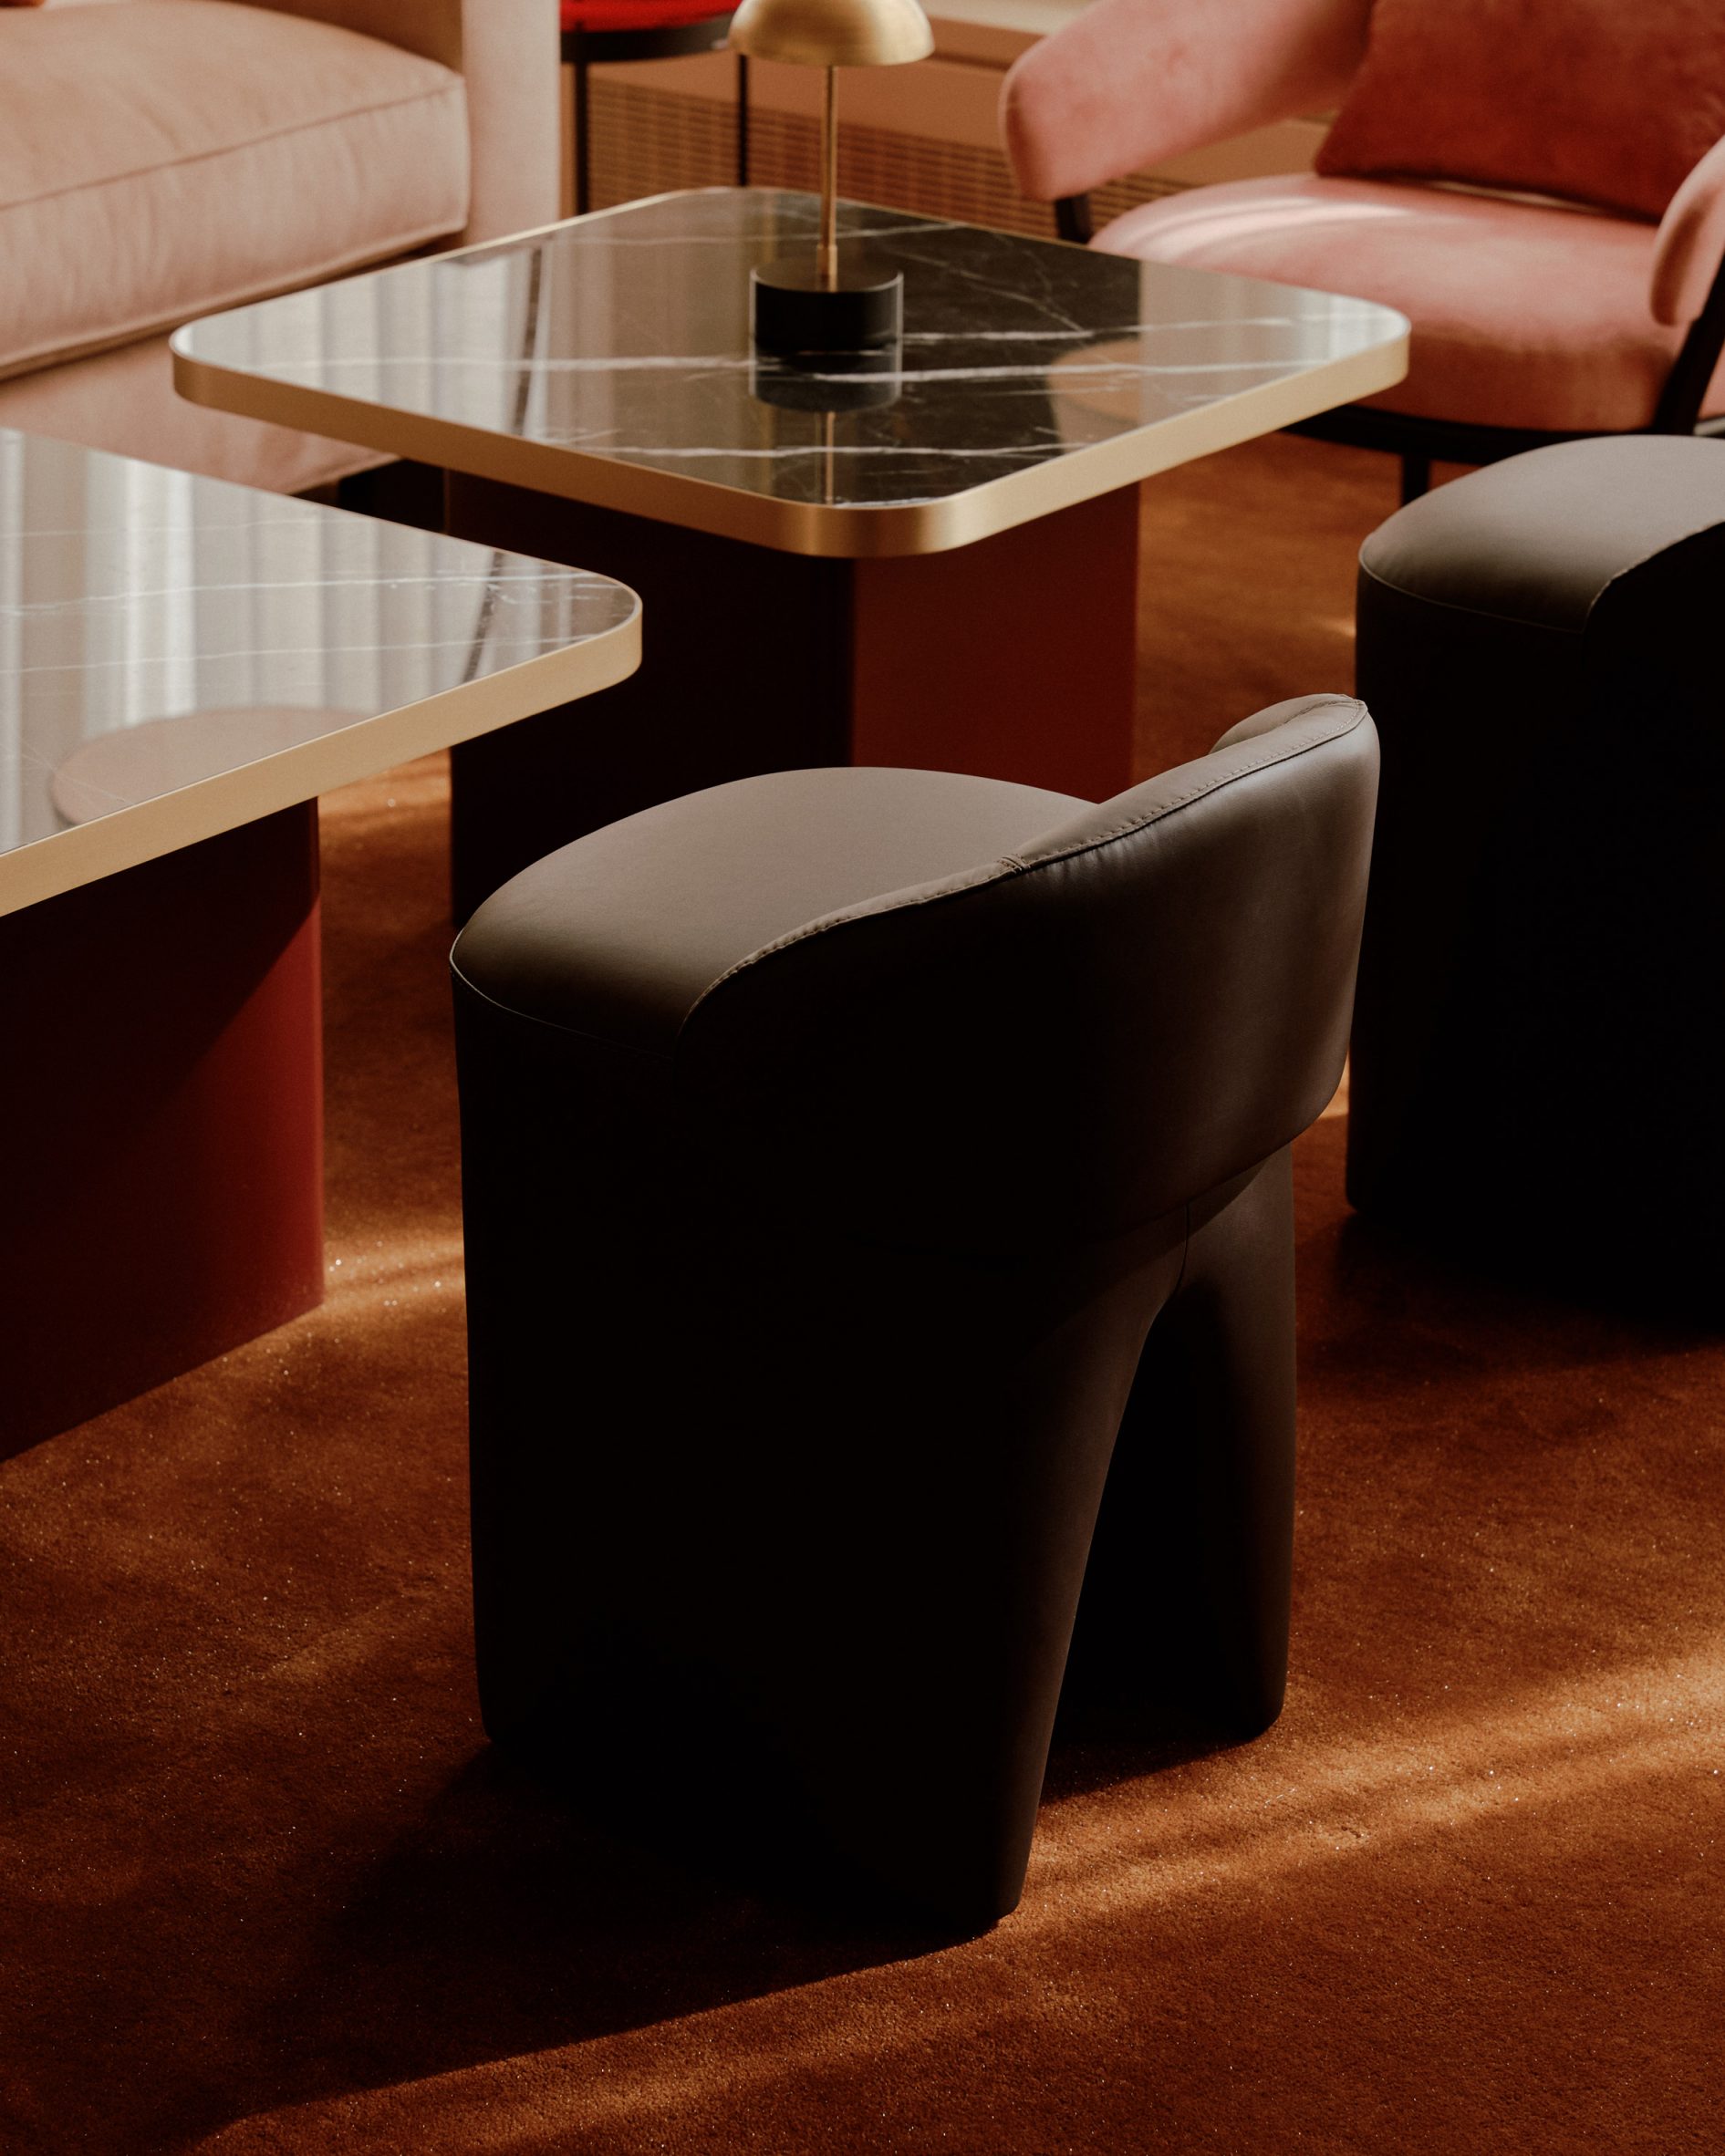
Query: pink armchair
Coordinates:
[163,158]
[1536,316]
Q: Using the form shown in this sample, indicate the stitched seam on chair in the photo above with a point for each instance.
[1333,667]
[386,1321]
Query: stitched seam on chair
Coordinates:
[995,871]
[1103,838]
[1490,613]
[1630,569]
[1010,865]
[199,157]
[552,1025]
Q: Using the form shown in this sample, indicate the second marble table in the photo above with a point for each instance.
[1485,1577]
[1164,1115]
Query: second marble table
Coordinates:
[931,564]
[184,667]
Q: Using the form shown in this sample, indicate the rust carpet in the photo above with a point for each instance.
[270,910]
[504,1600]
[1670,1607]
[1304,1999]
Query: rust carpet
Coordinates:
[263,1888]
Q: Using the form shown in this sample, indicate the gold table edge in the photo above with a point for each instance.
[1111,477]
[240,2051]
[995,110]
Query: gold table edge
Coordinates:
[66,860]
[844,531]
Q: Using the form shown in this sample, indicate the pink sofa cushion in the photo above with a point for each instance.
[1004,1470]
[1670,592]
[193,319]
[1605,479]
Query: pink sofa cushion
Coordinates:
[1124,85]
[1606,101]
[160,158]
[1523,315]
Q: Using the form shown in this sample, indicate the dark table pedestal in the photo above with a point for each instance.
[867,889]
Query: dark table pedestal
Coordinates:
[1010,658]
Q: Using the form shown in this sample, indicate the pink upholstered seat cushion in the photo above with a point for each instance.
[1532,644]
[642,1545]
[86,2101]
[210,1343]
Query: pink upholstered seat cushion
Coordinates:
[1523,314]
[160,158]
[1603,101]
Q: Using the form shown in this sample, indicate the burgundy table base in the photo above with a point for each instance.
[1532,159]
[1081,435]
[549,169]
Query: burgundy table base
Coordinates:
[162,1099]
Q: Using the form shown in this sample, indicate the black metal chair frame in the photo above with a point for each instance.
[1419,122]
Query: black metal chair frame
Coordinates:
[1421,442]
[583,49]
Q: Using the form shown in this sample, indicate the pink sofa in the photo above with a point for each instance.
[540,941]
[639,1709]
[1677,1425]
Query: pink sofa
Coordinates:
[163,158]
[1531,316]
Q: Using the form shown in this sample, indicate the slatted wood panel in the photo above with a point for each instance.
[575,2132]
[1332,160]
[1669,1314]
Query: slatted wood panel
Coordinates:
[647,141]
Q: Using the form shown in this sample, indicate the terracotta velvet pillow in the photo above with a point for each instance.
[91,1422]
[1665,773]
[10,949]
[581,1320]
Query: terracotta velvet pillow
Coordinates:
[1603,101]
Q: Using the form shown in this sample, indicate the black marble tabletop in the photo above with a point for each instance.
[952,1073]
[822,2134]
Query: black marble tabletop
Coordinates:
[609,360]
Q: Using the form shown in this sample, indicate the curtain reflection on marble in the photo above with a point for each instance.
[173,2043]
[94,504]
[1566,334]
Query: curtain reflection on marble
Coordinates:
[129,594]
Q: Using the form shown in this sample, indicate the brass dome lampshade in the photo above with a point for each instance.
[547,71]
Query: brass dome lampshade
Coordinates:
[809,305]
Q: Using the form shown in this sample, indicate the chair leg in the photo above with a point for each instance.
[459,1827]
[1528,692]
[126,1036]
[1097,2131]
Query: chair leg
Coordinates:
[1182,1629]
[1073,219]
[815,1601]
[777,1541]
[743,119]
[1415,477]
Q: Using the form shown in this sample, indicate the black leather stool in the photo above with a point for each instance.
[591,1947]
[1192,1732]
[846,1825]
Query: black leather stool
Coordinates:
[1538,1070]
[861,1169]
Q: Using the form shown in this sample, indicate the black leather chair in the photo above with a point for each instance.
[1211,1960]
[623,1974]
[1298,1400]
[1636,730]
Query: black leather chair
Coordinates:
[1539,1043]
[862,1169]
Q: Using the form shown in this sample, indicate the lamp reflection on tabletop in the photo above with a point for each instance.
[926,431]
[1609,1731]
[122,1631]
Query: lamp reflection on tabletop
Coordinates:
[848,382]
[134,763]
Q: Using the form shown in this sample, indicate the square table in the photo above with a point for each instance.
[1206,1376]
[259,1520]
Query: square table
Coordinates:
[185,666]
[934,564]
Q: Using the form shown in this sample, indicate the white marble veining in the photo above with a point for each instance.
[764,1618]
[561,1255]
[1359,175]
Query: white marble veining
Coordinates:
[622,340]
[143,602]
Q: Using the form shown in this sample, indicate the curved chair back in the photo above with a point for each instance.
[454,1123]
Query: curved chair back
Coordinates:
[1070,1041]
[1126,84]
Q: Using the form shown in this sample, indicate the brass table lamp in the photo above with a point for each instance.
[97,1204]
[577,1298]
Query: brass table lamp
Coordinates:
[815,303]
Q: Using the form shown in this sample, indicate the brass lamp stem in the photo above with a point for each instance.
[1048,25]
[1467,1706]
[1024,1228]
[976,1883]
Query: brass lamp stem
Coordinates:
[826,253]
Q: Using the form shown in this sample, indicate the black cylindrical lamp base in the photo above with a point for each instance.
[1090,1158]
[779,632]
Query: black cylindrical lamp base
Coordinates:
[793,312]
